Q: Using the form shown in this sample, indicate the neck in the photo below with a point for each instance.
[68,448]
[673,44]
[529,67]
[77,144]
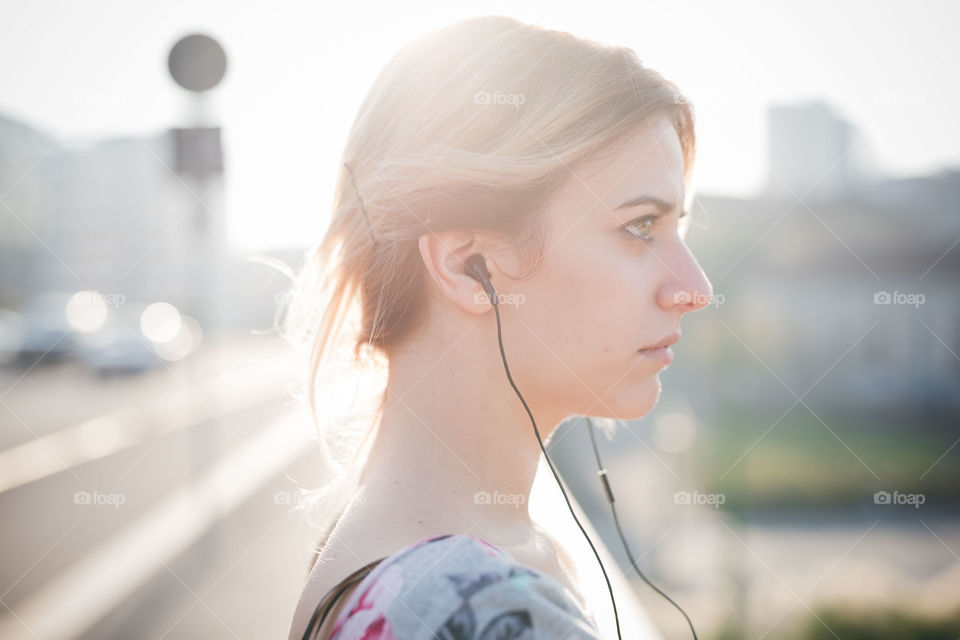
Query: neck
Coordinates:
[455,450]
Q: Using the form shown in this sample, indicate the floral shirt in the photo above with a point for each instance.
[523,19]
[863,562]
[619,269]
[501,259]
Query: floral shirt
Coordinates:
[459,587]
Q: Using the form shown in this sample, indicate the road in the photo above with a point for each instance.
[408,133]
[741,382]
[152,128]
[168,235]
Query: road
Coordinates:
[144,506]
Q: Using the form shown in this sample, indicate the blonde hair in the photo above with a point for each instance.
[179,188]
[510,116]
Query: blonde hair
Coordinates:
[473,126]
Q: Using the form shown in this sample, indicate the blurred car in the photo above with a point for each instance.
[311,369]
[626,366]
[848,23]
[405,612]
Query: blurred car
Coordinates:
[43,330]
[11,335]
[117,348]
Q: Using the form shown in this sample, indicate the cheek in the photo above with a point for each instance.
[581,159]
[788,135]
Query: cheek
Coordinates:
[590,304]
[578,332]
[614,298]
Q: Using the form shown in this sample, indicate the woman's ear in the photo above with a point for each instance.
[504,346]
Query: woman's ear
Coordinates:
[444,254]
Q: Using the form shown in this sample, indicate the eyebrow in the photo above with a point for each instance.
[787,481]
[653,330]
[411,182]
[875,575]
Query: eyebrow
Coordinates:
[663,205]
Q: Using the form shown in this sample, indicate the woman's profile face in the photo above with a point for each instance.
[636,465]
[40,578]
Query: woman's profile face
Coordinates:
[614,279]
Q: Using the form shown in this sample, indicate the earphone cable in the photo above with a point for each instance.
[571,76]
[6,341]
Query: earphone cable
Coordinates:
[552,469]
[606,485]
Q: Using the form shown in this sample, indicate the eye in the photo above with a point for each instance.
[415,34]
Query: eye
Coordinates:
[639,229]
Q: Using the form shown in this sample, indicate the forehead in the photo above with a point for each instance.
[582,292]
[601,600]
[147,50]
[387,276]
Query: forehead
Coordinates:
[647,161]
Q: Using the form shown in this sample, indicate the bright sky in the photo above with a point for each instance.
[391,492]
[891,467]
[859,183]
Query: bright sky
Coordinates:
[298,70]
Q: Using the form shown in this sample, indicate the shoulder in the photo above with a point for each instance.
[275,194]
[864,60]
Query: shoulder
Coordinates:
[561,551]
[458,586]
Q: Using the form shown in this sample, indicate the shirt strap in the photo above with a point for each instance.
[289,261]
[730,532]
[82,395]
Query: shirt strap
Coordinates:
[330,598]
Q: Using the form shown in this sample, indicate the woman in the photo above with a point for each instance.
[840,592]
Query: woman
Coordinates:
[563,163]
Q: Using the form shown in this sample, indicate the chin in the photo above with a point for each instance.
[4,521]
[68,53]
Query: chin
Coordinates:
[648,400]
[636,404]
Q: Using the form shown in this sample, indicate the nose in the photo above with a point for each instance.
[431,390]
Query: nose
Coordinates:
[686,287]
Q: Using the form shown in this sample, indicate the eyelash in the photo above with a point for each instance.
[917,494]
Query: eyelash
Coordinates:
[651,219]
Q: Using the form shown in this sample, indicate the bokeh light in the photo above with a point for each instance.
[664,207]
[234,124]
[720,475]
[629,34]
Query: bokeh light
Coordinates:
[160,322]
[86,311]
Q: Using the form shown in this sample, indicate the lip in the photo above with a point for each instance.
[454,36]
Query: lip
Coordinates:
[660,354]
[666,342]
[661,351]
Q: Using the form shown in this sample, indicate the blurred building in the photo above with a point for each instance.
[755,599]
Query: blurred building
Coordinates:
[114,216]
[116,222]
[815,152]
[849,291]
[23,205]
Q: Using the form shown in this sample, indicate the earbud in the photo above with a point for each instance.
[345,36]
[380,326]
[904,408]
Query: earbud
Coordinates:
[477,269]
